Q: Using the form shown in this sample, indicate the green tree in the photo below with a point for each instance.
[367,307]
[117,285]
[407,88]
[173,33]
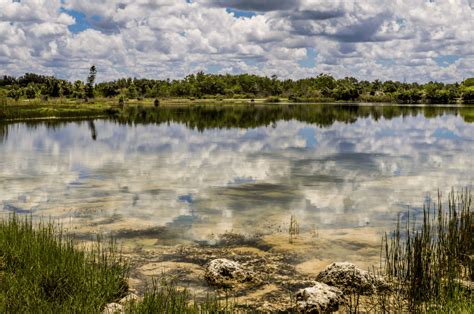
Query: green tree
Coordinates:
[90,82]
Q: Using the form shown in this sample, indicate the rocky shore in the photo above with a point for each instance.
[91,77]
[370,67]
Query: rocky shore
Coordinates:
[265,275]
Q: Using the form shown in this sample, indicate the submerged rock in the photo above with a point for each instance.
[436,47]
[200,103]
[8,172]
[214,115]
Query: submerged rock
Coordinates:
[351,279]
[224,272]
[320,298]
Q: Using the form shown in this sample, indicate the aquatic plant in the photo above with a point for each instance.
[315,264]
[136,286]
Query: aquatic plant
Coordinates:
[165,297]
[294,229]
[428,261]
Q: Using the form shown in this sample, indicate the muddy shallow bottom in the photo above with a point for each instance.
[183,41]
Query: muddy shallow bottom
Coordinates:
[282,267]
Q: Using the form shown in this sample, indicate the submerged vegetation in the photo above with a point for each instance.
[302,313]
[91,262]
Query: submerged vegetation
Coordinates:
[322,88]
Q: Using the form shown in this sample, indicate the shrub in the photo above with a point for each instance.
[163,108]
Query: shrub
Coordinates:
[273,99]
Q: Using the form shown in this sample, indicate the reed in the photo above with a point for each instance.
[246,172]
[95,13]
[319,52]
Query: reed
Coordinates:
[428,260]
[294,229]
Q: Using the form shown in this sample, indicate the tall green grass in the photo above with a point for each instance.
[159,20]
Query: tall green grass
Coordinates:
[41,271]
[426,260]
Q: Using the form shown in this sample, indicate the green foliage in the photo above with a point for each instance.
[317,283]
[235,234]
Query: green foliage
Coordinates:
[323,87]
[467,95]
[90,82]
[273,99]
[468,82]
[30,92]
[42,271]
[411,96]
[132,91]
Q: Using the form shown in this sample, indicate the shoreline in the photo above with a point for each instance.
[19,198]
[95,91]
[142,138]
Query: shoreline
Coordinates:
[100,109]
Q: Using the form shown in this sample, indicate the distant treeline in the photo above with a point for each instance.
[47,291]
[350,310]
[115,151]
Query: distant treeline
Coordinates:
[324,87]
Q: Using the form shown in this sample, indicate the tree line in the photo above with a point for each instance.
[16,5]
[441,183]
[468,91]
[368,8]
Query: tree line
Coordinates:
[323,87]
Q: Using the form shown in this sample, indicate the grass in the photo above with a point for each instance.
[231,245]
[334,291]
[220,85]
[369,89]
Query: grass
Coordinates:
[41,270]
[427,260]
[165,297]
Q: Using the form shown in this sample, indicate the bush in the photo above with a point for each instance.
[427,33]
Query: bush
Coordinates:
[467,95]
[273,99]
[30,92]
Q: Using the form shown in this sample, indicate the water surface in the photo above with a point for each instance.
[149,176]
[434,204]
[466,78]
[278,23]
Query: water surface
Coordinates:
[237,171]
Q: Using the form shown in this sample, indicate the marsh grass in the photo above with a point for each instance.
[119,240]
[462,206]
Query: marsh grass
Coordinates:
[294,229]
[426,260]
[166,297]
[42,271]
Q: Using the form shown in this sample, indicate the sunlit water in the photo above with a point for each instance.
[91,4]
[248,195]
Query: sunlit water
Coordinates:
[202,184]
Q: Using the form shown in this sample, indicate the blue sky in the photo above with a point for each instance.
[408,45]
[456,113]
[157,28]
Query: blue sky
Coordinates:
[414,40]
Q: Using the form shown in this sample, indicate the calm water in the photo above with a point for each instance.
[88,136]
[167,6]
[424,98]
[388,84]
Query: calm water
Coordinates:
[109,176]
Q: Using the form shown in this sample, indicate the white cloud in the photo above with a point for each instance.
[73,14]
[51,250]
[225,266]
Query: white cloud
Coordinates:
[158,39]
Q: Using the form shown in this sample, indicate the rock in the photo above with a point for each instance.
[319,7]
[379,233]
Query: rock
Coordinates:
[465,284]
[224,272]
[131,297]
[320,298]
[113,308]
[351,279]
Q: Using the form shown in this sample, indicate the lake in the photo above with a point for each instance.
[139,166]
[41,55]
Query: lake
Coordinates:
[190,174]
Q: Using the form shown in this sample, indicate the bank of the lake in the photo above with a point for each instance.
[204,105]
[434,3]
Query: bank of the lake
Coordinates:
[44,269]
[283,190]
[152,110]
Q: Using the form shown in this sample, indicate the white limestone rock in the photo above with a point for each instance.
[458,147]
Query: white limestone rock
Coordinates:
[224,272]
[320,298]
[351,279]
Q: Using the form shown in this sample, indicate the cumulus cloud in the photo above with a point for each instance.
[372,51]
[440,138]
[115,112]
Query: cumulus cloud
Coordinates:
[162,38]
[256,5]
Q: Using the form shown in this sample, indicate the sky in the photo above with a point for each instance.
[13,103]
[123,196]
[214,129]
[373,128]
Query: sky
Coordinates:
[405,40]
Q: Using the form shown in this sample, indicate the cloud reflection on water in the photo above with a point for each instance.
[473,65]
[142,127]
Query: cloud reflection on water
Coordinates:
[144,176]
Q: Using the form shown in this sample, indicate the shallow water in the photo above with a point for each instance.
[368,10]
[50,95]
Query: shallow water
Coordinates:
[175,183]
